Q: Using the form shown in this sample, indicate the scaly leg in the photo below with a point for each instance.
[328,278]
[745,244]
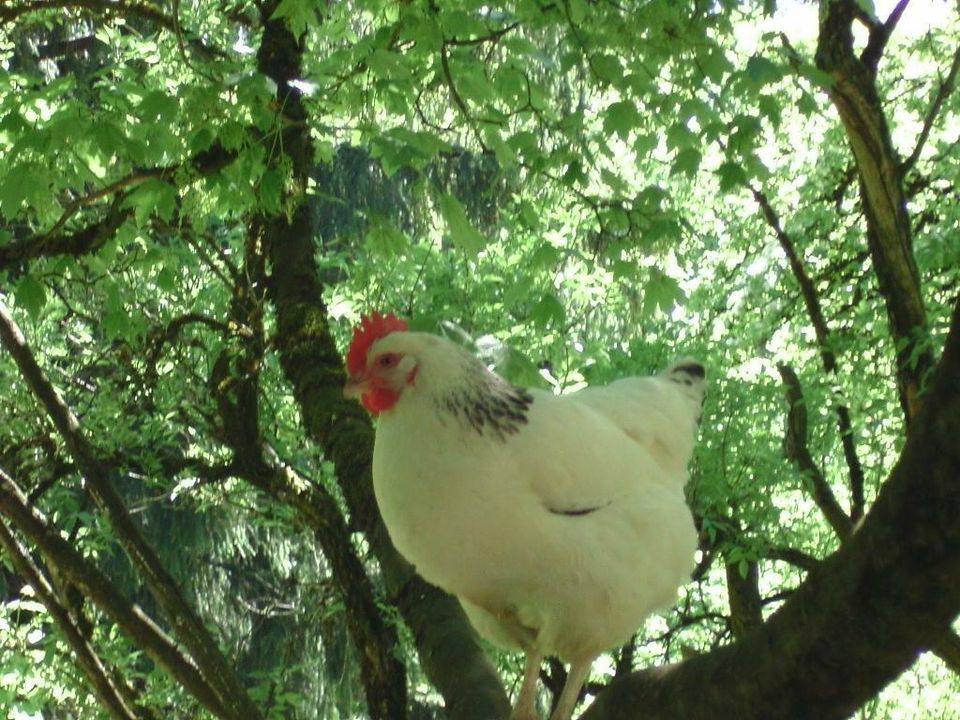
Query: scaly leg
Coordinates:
[526,706]
[571,689]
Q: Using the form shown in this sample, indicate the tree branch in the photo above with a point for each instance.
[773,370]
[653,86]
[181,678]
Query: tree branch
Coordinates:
[279,57]
[452,86]
[943,92]
[91,238]
[182,617]
[235,384]
[450,655]
[889,236]
[947,649]
[744,597]
[821,655]
[880,35]
[795,448]
[109,694]
[94,584]
[108,8]
[82,242]
[792,556]
[811,301]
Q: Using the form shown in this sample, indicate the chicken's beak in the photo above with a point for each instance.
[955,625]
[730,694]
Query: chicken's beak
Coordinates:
[356,386]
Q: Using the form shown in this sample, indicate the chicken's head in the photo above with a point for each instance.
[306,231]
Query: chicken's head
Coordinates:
[377,374]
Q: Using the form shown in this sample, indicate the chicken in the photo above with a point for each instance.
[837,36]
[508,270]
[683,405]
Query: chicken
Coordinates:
[559,522]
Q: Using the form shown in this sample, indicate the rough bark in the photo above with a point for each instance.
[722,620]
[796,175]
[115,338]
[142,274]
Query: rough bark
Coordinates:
[288,243]
[449,653]
[746,606]
[861,617]
[889,236]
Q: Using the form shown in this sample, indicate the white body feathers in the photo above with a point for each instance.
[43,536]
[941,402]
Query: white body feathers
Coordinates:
[559,522]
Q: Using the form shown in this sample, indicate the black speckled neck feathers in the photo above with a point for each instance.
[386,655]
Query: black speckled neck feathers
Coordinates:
[486,403]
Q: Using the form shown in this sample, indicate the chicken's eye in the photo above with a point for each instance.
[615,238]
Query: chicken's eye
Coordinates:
[386,361]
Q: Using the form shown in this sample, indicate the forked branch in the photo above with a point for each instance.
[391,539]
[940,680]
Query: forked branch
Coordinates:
[187,624]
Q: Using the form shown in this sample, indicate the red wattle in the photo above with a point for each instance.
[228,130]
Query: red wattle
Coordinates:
[379,399]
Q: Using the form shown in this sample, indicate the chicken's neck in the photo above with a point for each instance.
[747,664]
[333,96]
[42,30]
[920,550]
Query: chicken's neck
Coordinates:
[483,402]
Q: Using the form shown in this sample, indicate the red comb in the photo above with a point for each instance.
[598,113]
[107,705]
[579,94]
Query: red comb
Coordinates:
[372,328]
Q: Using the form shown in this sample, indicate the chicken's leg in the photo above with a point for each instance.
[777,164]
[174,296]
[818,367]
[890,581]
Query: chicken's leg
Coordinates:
[571,689]
[526,706]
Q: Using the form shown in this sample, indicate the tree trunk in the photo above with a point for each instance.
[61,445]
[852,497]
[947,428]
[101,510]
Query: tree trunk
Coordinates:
[449,651]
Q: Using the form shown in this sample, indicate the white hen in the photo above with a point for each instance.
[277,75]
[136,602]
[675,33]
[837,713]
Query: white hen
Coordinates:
[559,522]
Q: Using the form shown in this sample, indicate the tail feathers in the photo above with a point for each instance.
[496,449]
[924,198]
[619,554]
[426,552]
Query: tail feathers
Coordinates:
[691,376]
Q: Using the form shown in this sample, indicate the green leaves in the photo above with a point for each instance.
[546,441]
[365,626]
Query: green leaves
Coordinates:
[687,162]
[26,182]
[400,147]
[732,176]
[661,292]
[152,197]
[384,239]
[762,71]
[387,65]
[680,136]
[548,312]
[607,68]
[31,295]
[462,233]
[271,190]
[621,118]
[298,14]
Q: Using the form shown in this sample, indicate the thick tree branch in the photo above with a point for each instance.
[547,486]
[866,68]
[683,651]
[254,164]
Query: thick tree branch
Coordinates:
[186,623]
[792,556]
[947,649]
[854,94]
[116,701]
[143,10]
[73,46]
[82,242]
[108,8]
[94,584]
[745,602]
[861,616]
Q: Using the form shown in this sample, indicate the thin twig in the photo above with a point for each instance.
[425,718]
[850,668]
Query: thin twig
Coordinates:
[943,92]
[828,357]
